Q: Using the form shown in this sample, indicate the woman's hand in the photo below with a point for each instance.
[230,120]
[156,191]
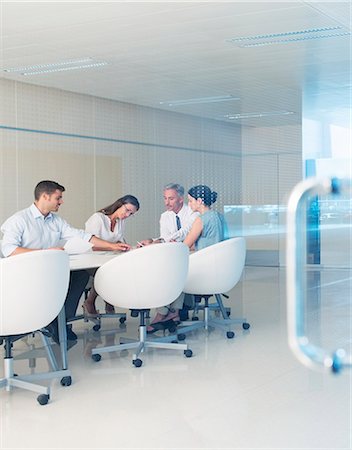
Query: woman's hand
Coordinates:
[121,247]
[144,242]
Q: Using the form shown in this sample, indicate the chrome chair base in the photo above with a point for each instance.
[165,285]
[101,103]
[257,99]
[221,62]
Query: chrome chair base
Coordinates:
[97,320]
[223,323]
[141,345]
[11,380]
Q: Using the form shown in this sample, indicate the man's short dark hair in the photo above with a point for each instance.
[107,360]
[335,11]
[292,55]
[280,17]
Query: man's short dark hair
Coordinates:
[47,187]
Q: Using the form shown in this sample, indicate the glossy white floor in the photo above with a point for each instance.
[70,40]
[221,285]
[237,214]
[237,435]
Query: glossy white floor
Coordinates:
[245,393]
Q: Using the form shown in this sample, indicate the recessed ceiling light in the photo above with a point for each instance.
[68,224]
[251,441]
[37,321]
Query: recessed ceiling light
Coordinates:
[257,114]
[73,64]
[288,37]
[285,41]
[192,101]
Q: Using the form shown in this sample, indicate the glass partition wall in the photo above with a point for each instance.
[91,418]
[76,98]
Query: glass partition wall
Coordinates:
[267,180]
[138,150]
[326,149]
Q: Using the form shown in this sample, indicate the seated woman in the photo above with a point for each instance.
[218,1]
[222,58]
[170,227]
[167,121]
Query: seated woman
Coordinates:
[109,224]
[207,229]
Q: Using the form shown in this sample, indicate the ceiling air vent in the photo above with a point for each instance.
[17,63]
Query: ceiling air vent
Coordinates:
[63,66]
[288,37]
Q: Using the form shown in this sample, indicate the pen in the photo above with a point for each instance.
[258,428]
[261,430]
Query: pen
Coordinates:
[140,243]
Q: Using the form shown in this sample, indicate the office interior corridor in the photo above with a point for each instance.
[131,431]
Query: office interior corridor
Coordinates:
[243,393]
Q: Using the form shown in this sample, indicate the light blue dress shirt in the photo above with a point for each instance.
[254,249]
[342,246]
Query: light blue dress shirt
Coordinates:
[30,229]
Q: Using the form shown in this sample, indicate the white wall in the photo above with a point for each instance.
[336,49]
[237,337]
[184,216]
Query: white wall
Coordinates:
[271,167]
[101,149]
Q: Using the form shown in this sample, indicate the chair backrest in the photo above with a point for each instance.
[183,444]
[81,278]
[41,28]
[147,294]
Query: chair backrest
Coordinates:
[144,278]
[33,288]
[217,268]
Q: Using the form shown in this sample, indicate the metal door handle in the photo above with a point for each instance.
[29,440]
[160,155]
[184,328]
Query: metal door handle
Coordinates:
[306,352]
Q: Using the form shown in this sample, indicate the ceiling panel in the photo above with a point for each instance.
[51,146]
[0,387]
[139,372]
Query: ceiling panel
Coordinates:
[159,51]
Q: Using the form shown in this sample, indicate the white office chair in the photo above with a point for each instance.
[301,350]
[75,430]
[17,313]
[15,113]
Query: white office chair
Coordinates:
[142,279]
[33,288]
[212,271]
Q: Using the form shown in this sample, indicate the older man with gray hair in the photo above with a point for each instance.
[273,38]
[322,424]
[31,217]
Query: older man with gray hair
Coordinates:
[178,218]
[175,224]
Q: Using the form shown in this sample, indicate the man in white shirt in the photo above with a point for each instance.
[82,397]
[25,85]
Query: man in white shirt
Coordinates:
[37,228]
[178,218]
[175,223]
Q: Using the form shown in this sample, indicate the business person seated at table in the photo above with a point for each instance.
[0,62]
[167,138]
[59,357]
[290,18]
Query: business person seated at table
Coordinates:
[109,224]
[207,229]
[38,228]
[178,218]
[175,224]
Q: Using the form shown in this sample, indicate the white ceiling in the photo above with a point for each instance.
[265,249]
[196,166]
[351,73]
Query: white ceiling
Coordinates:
[159,51]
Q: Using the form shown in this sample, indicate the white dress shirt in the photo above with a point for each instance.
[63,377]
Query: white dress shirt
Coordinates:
[168,226]
[30,229]
[99,224]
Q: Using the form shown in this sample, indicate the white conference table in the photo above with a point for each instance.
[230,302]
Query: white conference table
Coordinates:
[83,261]
[91,260]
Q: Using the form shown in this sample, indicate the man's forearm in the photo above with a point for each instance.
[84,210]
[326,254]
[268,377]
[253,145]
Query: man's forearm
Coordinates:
[19,250]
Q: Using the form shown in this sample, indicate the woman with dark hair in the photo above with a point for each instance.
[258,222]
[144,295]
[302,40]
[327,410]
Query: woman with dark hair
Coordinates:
[109,224]
[208,227]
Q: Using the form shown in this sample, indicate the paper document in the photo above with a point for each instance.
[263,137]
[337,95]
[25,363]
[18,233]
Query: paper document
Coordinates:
[76,245]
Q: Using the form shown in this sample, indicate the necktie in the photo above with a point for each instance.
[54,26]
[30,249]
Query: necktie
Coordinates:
[178,222]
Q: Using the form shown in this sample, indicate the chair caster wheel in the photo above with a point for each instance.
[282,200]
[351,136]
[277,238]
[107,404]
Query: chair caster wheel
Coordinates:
[181,337]
[245,325]
[122,320]
[188,353]
[195,318]
[43,399]
[172,328]
[137,362]
[96,327]
[66,381]
[96,357]
[230,334]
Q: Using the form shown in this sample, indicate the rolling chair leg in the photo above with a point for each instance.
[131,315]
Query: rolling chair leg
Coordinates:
[221,323]
[141,345]
[10,380]
[96,320]
[187,327]
[226,321]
